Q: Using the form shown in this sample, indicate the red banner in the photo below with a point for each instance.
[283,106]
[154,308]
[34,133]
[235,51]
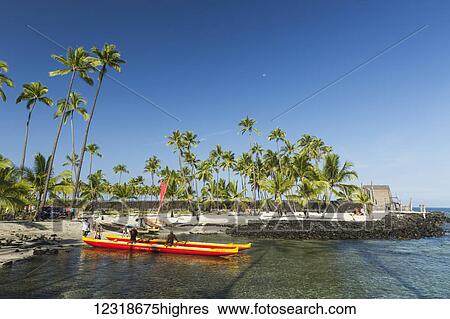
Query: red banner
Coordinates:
[162,192]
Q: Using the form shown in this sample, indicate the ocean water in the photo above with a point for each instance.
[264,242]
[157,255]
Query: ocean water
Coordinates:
[271,269]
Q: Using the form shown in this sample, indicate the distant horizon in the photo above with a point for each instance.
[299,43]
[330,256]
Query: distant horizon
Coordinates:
[210,64]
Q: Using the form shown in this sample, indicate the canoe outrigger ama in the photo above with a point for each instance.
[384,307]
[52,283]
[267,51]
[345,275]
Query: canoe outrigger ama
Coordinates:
[161,248]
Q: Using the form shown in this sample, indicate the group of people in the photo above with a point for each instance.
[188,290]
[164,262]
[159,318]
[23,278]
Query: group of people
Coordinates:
[133,232]
[86,229]
[127,231]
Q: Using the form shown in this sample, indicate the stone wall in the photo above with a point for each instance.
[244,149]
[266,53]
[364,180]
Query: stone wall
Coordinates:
[404,226]
[287,206]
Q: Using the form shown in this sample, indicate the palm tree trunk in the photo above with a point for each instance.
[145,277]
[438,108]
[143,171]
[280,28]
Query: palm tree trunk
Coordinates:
[55,145]
[22,165]
[196,189]
[254,180]
[38,203]
[90,165]
[73,153]
[153,184]
[86,134]
[73,147]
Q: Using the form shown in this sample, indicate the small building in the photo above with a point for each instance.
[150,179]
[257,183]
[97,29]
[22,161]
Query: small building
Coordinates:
[382,199]
[380,195]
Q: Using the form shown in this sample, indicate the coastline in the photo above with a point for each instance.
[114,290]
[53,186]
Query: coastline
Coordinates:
[23,239]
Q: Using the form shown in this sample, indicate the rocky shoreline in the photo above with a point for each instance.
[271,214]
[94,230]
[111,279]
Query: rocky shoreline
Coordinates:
[22,239]
[392,226]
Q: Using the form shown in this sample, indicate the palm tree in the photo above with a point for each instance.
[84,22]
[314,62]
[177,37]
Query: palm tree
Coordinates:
[256,150]
[301,167]
[61,186]
[214,192]
[313,147]
[277,135]
[76,62]
[122,193]
[177,141]
[244,166]
[32,93]
[308,190]
[94,150]
[362,197]
[228,163]
[152,166]
[247,125]
[74,105]
[107,57]
[93,190]
[288,149]
[204,171]
[191,140]
[214,158]
[277,186]
[138,184]
[234,195]
[72,160]
[335,174]
[4,79]
[13,191]
[192,160]
[346,192]
[120,169]
[271,161]
[37,177]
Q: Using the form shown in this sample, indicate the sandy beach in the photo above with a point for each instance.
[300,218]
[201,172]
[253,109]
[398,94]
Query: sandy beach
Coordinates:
[22,239]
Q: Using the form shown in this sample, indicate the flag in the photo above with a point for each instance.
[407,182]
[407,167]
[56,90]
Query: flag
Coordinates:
[162,192]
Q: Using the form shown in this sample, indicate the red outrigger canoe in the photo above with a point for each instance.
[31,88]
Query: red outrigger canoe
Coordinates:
[157,248]
[183,243]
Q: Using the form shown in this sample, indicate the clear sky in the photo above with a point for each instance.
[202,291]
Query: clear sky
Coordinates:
[211,63]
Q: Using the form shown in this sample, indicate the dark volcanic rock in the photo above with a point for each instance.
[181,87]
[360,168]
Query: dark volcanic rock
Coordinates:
[46,251]
[402,226]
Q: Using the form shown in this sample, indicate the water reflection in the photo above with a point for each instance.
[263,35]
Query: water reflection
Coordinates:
[92,258]
[271,269]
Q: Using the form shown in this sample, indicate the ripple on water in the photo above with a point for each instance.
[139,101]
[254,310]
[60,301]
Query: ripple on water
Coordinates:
[271,269]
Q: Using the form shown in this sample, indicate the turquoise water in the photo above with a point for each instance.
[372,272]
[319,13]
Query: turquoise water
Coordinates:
[271,269]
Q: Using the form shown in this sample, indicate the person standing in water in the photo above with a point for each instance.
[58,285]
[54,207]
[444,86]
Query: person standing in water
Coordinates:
[86,227]
[171,238]
[98,232]
[133,235]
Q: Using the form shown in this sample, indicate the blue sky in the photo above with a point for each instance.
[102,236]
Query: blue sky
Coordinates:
[211,63]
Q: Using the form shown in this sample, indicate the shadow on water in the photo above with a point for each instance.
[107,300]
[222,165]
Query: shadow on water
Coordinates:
[400,269]
[225,293]
[271,269]
[373,260]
